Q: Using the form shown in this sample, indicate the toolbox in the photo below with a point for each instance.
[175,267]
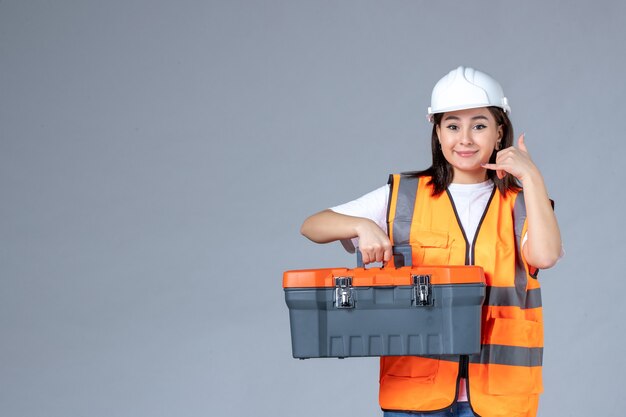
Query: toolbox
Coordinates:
[386,311]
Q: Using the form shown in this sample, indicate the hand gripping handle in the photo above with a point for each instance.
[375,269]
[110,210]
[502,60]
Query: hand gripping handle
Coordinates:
[402,256]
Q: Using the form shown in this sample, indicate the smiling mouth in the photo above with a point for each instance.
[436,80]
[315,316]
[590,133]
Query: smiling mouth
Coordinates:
[465,154]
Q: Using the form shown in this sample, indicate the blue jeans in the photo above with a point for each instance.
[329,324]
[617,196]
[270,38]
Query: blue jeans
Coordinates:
[460,409]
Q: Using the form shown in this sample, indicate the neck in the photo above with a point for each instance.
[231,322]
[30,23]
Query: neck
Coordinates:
[464,177]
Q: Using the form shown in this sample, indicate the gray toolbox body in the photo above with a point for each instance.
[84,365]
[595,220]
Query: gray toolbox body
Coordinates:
[339,312]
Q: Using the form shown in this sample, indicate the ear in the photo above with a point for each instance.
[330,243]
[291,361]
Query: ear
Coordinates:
[438,130]
[500,133]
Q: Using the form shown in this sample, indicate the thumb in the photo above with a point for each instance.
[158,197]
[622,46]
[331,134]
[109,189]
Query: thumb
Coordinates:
[521,144]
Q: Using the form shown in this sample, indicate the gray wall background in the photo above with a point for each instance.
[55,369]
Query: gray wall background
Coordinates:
[158,157]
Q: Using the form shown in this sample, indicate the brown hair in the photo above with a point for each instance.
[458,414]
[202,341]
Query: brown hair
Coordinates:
[441,171]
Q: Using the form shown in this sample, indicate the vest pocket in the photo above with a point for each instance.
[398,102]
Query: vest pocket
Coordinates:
[410,367]
[511,367]
[430,247]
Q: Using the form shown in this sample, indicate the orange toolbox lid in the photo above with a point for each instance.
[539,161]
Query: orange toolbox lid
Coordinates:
[371,277]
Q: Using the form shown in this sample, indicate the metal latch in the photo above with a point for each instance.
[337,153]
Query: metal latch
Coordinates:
[344,297]
[422,290]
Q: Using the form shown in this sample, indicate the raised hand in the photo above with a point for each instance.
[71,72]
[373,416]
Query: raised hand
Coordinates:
[513,160]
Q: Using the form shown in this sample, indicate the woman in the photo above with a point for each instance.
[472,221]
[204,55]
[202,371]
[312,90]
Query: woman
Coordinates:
[482,202]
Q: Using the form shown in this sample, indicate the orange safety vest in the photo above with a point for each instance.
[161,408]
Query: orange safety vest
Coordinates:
[504,379]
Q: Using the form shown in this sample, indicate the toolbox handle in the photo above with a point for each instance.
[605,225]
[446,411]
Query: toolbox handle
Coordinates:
[402,256]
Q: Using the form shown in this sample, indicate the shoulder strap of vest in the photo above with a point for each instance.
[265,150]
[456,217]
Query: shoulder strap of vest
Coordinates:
[519,218]
[402,193]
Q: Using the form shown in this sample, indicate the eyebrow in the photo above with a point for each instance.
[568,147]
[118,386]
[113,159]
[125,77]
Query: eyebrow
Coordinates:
[473,118]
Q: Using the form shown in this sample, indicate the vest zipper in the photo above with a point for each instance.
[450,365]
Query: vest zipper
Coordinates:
[463,364]
[469,260]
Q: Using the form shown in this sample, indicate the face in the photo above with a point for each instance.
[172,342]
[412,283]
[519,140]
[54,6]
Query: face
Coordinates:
[468,138]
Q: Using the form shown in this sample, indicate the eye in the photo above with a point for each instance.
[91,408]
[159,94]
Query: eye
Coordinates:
[480,127]
[452,127]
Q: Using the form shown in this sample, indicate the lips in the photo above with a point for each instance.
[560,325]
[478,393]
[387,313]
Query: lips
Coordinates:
[466,154]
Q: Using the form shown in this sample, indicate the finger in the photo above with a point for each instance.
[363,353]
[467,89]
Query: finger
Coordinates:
[365,257]
[503,159]
[387,255]
[507,156]
[521,144]
[490,166]
[500,172]
[379,255]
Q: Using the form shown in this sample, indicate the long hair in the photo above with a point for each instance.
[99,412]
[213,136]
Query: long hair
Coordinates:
[442,172]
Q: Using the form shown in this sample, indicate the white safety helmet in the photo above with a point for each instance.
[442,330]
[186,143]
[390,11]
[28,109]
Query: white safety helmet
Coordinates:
[466,88]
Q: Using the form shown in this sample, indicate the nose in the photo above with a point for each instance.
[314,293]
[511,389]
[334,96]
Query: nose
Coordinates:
[467,137]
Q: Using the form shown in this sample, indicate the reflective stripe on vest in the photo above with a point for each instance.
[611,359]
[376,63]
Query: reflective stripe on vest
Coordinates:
[512,330]
[509,355]
[404,206]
